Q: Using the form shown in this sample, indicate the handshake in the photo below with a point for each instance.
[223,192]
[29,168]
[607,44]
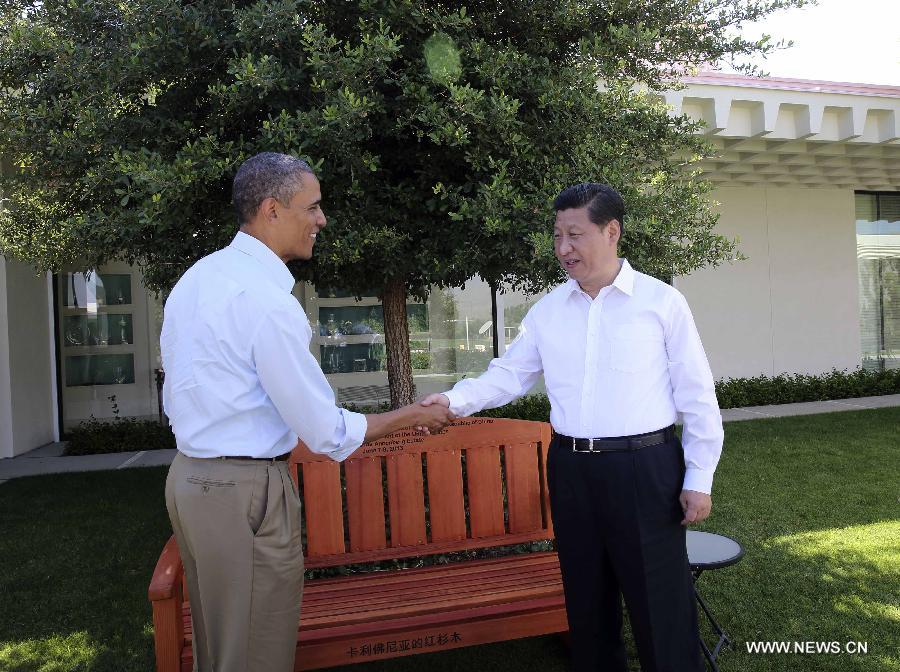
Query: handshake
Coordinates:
[431,414]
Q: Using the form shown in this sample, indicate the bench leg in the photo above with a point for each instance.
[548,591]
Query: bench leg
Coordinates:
[168,634]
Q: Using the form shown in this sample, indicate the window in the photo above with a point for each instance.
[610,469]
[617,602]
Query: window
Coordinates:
[105,356]
[878,258]
[450,336]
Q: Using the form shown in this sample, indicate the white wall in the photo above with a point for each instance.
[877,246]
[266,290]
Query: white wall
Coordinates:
[28,364]
[792,306]
[6,418]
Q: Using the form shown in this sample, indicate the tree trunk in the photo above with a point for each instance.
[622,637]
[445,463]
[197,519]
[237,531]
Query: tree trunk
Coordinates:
[494,322]
[396,344]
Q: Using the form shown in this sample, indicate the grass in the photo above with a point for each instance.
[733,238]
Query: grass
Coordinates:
[815,501]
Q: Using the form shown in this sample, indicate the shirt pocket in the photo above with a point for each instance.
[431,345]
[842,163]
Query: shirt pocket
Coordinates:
[634,348]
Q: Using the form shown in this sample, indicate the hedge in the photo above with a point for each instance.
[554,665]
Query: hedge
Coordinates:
[757,391]
[119,435]
[129,434]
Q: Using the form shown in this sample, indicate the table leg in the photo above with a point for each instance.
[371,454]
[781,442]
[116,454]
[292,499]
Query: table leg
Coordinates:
[710,658]
[724,639]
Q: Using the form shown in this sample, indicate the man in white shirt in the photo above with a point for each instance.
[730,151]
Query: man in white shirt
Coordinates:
[621,357]
[241,386]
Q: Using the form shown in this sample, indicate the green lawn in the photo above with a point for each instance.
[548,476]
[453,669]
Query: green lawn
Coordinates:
[815,500]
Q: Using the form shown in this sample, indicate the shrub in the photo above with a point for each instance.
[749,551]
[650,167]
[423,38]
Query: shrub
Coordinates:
[420,360]
[129,434]
[757,391]
[117,436]
[529,407]
[789,388]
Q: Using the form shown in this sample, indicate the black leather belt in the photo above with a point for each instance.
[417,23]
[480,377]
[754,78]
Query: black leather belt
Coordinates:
[616,444]
[279,458]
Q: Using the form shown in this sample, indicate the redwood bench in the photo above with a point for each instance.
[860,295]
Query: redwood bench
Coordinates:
[481,483]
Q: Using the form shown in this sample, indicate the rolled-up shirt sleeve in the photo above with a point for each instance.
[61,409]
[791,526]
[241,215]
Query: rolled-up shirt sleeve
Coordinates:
[694,394]
[293,380]
[506,379]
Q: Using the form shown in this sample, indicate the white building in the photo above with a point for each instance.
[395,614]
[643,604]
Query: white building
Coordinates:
[808,179]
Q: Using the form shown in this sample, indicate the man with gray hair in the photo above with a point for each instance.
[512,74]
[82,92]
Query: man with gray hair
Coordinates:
[241,386]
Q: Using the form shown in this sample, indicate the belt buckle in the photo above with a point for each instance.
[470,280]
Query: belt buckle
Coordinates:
[589,449]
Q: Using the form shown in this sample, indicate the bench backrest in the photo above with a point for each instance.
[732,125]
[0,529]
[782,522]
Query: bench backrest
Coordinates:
[480,483]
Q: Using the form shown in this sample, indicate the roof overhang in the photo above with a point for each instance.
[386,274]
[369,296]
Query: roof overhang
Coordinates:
[788,132]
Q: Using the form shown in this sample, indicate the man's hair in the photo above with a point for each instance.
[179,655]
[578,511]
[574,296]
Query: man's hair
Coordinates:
[266,175]
[602,201]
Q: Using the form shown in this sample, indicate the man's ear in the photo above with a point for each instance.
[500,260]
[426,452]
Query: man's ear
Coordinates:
[614,230]
[268,208]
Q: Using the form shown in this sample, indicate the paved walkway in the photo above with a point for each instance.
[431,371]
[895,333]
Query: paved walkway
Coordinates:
[49,459]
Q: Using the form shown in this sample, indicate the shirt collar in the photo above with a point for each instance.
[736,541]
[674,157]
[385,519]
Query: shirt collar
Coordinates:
[624,281]
[275,268]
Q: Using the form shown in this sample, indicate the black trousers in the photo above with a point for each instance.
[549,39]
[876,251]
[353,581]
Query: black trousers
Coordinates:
[618,530]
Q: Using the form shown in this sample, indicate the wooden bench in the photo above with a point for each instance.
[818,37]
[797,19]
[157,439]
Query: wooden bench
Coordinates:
[482,483]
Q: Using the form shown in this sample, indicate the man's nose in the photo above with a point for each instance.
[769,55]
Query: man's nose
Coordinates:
[322,220]
[564,246]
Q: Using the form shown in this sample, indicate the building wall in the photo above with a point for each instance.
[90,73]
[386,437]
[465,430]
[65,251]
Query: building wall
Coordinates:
[792,306]
[28,364]
[6,417]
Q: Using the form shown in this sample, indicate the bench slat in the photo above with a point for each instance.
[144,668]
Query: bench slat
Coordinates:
[446,507]
[406,499]
[523,488]
[365,504]
[418,549]
[485,490]
[414,609]
[494,592]
[333,586]
[503,624]
[362,595]
[322,508]
[463,432]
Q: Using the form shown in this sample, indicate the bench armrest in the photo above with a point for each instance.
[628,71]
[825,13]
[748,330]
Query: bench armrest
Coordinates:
[166,596]
[166,581]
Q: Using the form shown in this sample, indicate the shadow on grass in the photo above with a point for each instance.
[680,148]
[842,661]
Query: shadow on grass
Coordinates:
[814,501]
[831,586]
[78,552]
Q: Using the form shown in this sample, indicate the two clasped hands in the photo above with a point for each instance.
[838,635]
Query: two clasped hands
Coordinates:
[432,413]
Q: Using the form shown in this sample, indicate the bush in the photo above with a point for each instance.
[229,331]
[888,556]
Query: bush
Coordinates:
[420,360]
[118,436]
[129,434]
[790,388]
[757,391]
[529,407]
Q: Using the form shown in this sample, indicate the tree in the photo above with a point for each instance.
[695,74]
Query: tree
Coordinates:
[440,131]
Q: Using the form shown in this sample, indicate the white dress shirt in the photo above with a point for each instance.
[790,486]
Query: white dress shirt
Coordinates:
[240,378]
[624,363]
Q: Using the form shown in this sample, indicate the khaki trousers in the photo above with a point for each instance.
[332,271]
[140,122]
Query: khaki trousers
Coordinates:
[237,523]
